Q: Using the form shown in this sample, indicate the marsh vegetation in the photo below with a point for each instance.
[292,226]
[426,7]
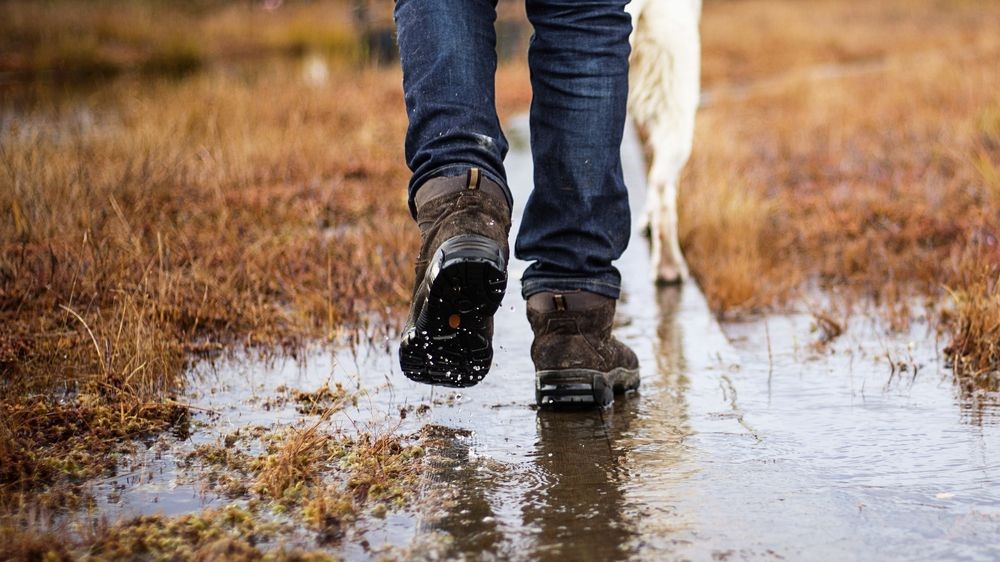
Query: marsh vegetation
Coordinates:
[203,197]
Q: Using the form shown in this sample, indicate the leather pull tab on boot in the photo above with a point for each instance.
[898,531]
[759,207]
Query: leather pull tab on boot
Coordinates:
[559,301]
[474,178]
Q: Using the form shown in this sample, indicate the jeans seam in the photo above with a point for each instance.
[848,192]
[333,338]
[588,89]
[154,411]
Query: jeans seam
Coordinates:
[535,281]
[538,284]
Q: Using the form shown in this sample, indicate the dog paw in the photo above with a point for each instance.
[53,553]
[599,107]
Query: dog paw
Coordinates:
[671,273]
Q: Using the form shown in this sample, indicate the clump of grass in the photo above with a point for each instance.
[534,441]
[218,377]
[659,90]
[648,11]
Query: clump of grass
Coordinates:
[728,232]
[975,324]
[381,468]
[380,471]
[293,462]
[226,466]
[327,479]
[26,544]
[323,400]
[374,468]
[231,533]
[121,385]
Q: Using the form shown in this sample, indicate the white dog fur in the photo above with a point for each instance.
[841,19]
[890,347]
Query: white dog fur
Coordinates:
[664,84]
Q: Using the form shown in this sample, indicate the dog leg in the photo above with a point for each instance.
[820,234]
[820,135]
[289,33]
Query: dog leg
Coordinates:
[647,227]
[669,266]
[672,267]
[663,99]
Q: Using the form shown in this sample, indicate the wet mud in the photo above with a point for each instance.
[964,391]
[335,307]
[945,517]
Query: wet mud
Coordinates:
[747,441]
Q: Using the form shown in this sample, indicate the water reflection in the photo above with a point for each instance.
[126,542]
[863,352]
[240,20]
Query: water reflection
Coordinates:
[459,505]
[580,514]
[583,485]
[594,461]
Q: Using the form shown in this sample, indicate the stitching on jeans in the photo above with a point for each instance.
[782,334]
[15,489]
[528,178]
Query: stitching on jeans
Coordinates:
[542,281]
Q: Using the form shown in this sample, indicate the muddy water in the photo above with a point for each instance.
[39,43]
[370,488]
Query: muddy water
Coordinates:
[746,442]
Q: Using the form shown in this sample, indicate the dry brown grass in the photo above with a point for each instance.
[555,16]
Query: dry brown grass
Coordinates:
[749,40]
[872,183]
[294,462]
[245,206]
[145,221]
[82,37]
[177,217]
[119,384]
[729,233]
[975,323]
[868,182]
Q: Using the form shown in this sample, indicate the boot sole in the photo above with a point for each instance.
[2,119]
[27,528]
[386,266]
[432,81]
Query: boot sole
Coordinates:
[582,388]
[450,344]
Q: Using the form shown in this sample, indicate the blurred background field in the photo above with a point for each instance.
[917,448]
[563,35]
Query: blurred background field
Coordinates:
[181,178]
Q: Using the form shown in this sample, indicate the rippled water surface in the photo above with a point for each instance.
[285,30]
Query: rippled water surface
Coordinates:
[745,442]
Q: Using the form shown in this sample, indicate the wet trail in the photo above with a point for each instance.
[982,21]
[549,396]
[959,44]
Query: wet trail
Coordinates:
[744,445]
[729,451]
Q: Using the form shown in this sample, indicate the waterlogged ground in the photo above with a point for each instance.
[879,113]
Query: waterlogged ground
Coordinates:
[747,442]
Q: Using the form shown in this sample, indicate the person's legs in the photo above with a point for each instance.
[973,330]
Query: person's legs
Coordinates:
[447,49]
[458,192]
[577,220]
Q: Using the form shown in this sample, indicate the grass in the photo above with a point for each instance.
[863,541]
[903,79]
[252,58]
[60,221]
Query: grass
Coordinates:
[230,533]
[739,273]
[872,183]
[975,322]
[152,221]
[293,461]
[80,38]
[166,228]
[307,477]
[749,40]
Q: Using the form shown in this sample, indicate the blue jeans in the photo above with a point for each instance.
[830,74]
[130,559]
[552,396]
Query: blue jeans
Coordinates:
[576,221]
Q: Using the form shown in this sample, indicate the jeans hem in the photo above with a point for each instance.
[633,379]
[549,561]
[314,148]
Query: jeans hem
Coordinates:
[451,170]
[555,284]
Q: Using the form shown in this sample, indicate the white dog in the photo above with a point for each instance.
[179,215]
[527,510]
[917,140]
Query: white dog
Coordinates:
[664,83]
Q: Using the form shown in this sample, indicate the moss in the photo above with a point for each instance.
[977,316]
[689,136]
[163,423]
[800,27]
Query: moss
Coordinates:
[324,400]
[231,533]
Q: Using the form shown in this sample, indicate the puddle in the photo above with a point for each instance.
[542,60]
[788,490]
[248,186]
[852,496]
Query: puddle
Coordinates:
[743,445]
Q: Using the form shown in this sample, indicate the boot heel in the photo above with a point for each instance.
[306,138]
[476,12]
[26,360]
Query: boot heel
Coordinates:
[582,388]
[573,388]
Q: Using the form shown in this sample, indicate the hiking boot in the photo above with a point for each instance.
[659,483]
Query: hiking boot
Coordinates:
[461,276]
[578,363]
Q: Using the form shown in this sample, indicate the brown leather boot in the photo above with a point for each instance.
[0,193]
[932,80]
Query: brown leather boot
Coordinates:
[461,275]
[577,360]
